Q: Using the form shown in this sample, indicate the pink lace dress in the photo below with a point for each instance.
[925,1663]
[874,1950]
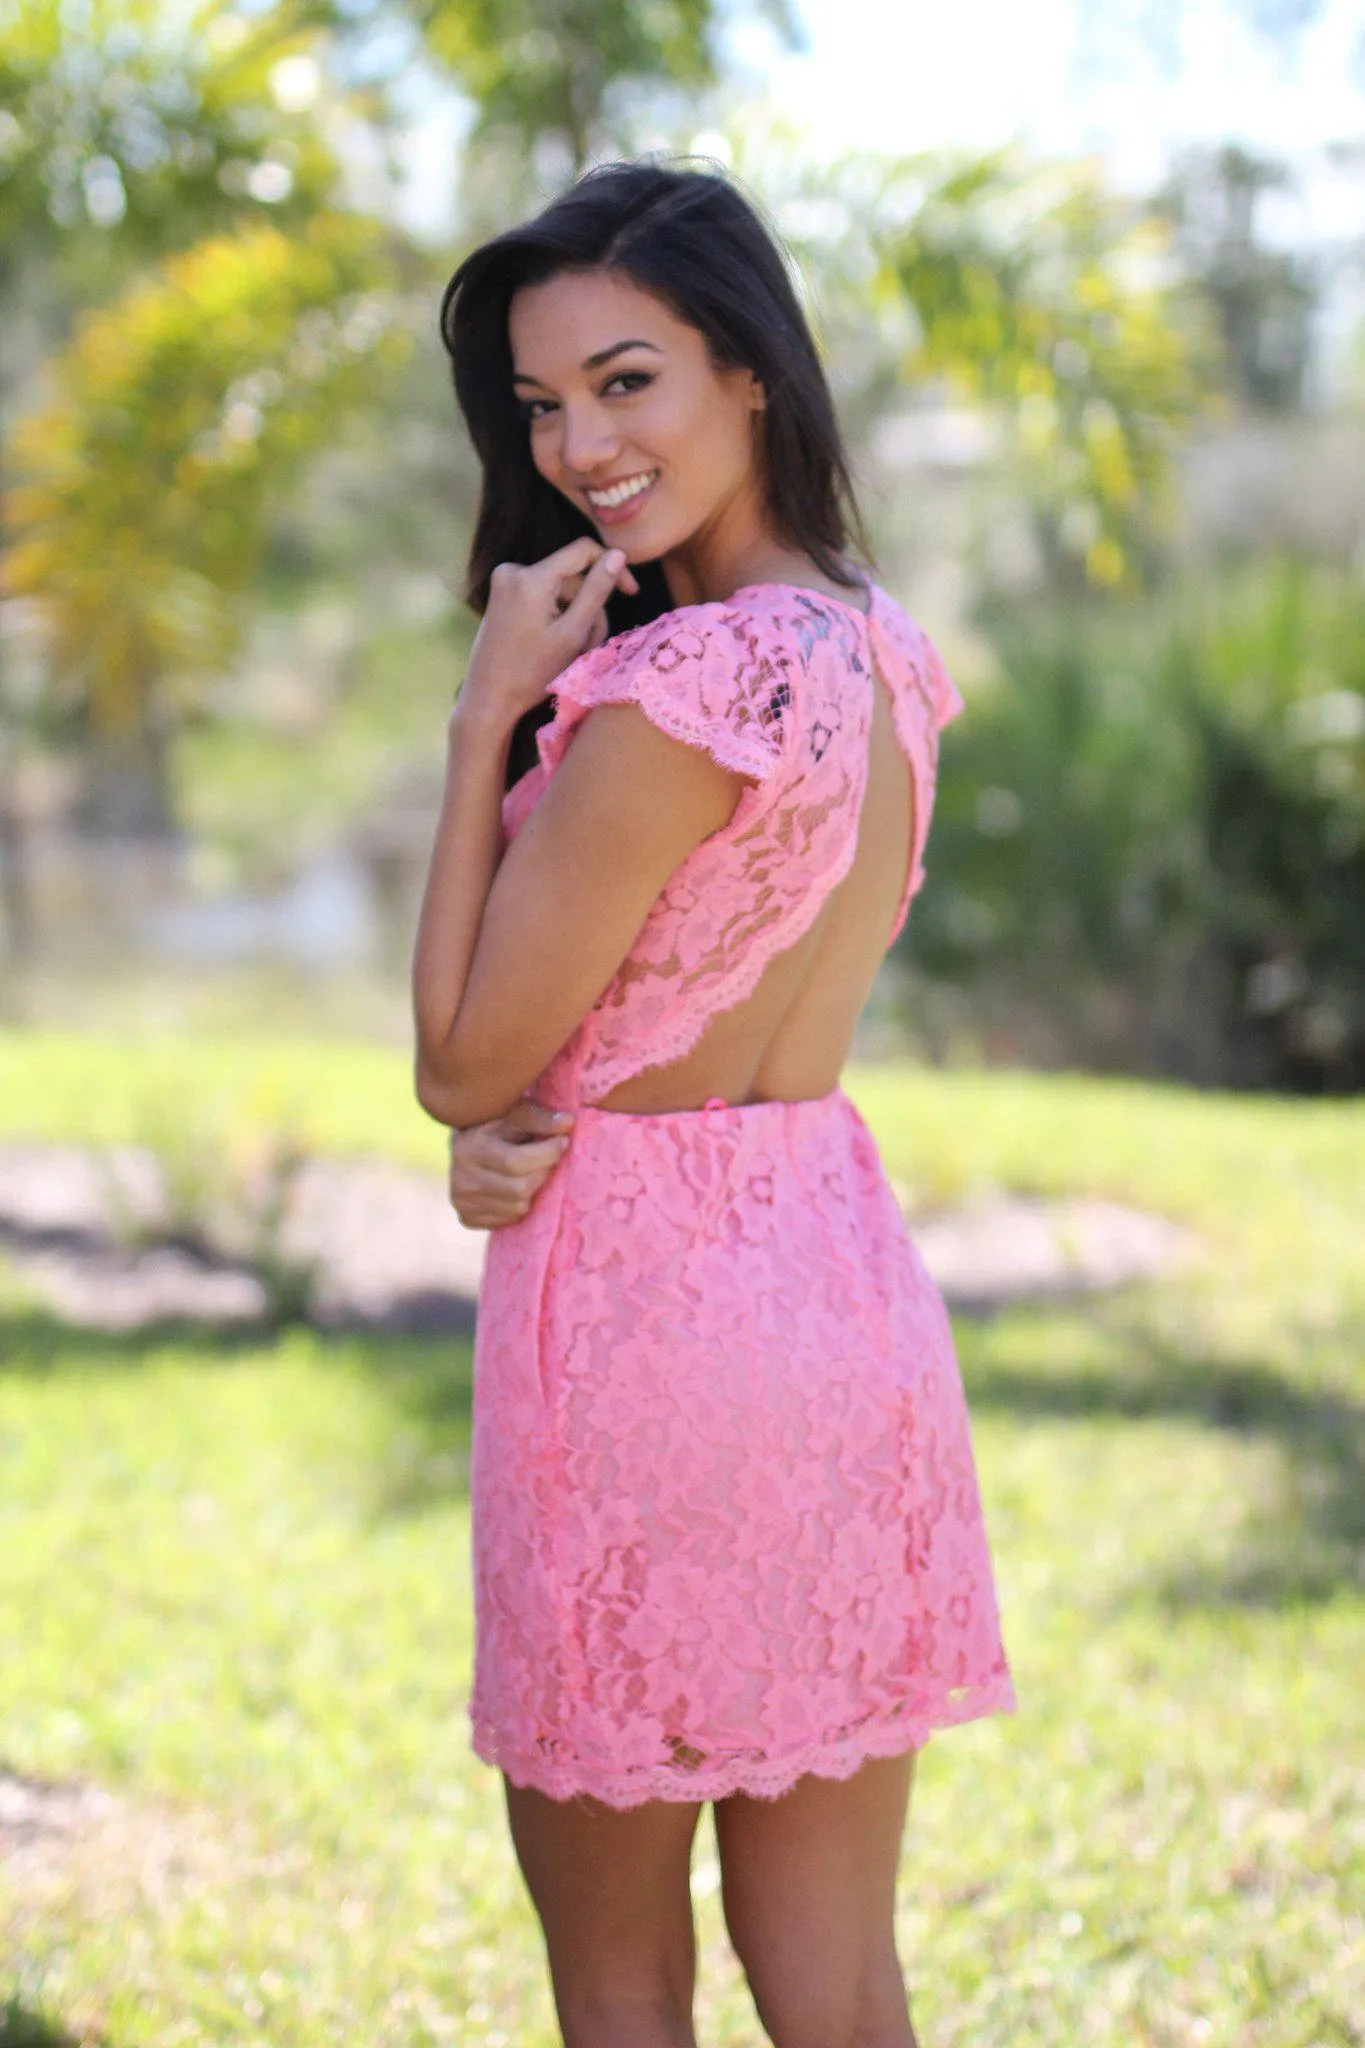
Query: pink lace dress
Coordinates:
[727,1528]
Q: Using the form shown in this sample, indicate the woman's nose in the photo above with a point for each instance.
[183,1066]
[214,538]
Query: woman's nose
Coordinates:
[589,440]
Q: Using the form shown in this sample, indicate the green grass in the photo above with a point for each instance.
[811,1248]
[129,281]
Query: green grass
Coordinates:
[233,1592]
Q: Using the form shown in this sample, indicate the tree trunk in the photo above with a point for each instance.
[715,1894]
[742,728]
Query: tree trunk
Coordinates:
[16,901]
[127,792]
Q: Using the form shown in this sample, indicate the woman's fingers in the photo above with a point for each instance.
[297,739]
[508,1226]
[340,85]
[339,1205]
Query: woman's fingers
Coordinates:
[499,1201]
[497,1169]
[580,614]
[570,560]
[517,1162]
[539,618]
[529,1119]
[569,569]
[486,1201]
[578,555]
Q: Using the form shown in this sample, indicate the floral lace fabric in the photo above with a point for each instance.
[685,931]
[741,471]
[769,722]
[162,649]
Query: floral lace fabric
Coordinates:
[777,685]
[727,1524]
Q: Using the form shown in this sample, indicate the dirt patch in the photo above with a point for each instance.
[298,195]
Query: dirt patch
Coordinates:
[70,1834]
[1003,1248]
[388,1252]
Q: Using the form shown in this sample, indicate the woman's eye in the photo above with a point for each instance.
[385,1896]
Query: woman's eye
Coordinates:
[535,408]
[629,380]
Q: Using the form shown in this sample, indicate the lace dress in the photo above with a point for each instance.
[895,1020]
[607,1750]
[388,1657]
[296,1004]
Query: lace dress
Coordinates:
[727,1528]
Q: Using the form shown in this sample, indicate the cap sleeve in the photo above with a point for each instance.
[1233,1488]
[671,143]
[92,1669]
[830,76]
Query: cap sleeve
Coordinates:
[710,675]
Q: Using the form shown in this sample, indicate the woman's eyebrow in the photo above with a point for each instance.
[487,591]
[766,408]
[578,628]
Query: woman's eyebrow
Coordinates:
[593,362]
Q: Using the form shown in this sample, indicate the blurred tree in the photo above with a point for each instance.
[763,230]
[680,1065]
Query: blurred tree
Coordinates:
[170,423]
[1036,289]
[176,414]
[128,128]
[1263,299]
[1032,290]
[570,73]
[1151,833]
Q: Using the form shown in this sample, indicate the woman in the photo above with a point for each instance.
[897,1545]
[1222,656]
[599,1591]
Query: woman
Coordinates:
[728,1541]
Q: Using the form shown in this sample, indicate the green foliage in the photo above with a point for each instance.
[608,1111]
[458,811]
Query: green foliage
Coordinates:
[1151,833]
[342,1097]
[1263,299]
[558,70]
[545,70]
[150,123]
[1037,290]
[177,413]
[1026,287]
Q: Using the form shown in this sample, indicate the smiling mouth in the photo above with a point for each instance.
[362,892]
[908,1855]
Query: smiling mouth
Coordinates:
[616,495]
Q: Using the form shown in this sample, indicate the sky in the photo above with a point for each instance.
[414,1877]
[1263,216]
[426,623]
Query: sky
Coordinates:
[1068,76]
[1063,77]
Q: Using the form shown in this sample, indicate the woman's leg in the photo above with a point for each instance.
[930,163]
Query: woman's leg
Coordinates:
[612,1892]
[809,1885]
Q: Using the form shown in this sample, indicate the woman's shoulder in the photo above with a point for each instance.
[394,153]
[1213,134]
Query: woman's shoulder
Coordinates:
[714,675]
[760,622]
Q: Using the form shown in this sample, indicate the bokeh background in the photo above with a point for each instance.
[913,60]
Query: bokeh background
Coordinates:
[1091,284]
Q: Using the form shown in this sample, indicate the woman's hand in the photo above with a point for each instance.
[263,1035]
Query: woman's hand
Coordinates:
[538,620]
[497,1169]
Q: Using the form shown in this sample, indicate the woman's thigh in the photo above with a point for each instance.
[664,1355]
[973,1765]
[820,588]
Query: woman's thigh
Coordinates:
[613,1896]
[809,1886]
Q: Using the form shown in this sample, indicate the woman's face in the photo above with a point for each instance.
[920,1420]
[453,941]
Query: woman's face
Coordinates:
[628,415]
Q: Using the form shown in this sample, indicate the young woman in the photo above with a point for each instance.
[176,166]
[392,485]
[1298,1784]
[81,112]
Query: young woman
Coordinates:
[728,1539]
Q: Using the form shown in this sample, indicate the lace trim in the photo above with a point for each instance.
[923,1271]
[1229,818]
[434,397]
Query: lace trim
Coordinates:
[720,677]
[674,1038]
[758,1776]
[701,674]
[924,699]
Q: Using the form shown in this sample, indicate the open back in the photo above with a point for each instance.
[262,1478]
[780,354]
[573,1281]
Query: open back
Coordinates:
[747,976]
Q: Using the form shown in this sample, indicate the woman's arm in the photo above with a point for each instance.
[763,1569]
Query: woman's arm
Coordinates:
[514,949]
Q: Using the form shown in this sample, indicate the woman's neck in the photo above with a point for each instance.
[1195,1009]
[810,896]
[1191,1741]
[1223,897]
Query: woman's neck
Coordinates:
[775,564]
[770,562]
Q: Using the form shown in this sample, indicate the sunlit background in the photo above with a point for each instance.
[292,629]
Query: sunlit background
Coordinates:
[1091,286]
[1090,280]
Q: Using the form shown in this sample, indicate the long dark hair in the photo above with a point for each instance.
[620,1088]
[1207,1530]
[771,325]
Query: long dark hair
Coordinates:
[690,238]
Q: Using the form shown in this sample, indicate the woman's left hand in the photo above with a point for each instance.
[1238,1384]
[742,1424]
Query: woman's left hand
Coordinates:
[539,619]
[497,1169]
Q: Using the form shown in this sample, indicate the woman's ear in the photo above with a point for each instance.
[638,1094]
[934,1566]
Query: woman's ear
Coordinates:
[758,397]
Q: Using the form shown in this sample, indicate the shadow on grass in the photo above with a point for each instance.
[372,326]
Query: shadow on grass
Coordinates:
[427,1380]
[1304,1547]
[35,1343]
[23,2026]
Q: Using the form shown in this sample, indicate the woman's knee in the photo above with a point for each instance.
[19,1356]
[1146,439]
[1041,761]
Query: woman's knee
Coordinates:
[608,2017]
[802,2008]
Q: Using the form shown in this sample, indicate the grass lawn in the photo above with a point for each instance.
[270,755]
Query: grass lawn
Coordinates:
[234,1595]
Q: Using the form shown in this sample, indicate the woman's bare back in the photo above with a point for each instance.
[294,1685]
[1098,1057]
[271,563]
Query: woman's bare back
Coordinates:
[788,1041]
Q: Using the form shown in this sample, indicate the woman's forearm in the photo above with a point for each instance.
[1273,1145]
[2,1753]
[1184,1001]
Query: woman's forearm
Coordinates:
[464,860]
[539,618]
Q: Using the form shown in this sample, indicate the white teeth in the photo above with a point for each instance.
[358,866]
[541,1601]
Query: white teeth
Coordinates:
[619,493]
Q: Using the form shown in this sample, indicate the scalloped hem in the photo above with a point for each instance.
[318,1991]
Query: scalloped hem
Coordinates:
[758,1777]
